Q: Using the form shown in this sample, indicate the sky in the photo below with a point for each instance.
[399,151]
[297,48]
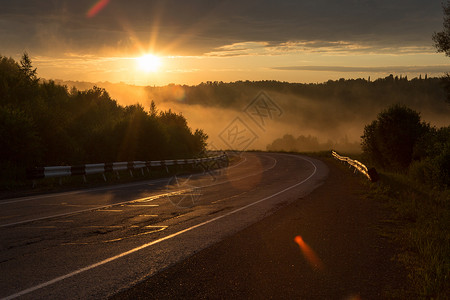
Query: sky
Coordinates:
[223,40]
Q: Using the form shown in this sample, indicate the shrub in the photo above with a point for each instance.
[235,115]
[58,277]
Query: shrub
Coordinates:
[389,141]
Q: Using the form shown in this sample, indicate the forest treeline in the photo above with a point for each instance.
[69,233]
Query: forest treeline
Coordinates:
[359,92]
[310,144]
[43,123]
[330,111]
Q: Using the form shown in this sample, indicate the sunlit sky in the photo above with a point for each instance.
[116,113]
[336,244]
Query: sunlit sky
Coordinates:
[212,40]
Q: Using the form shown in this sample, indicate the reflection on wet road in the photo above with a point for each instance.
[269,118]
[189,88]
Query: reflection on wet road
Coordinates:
[93,243]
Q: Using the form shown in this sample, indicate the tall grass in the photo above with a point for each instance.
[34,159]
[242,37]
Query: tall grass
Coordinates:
[421,218]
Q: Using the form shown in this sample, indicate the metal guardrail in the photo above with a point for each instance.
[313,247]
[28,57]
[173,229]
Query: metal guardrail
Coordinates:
[370,173]
[102,168]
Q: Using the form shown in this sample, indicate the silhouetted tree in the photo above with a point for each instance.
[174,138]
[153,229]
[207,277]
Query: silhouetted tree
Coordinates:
[442,44]
[42,123]
[389,141]
[27,68]
[21,145]
[442,38]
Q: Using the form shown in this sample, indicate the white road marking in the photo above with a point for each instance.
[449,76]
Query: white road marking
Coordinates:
[114,187]
[126,185]
[146,199]
[105,261]
[86,210]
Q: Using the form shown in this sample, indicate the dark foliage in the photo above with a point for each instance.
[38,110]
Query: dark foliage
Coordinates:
[442,43]
[42,123]
[399,141]
[309,144]
[442,38]
[329,110]
[357,95]
[389,141]
[432,155]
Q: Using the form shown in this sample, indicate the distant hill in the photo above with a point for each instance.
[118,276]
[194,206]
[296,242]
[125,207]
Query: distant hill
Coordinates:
[332,111]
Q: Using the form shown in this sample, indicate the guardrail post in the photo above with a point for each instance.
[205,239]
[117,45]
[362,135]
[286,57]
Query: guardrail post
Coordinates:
[163,164]
[79,170]
[130,167]
[374,177]
[206,163]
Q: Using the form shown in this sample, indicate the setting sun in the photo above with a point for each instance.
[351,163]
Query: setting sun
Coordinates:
[149,63]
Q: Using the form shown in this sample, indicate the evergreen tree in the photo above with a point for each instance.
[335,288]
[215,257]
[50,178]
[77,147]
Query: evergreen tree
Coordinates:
[27,68]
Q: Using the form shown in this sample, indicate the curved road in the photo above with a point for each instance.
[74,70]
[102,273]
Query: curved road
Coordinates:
[93,243]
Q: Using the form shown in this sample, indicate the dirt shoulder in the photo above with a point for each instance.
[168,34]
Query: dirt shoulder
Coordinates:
[344,254]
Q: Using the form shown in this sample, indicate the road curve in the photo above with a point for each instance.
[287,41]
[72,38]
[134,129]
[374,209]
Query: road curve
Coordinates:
[93,243]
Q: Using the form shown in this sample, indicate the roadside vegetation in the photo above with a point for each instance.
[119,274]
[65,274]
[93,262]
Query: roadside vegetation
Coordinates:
[413,159]
[45,124]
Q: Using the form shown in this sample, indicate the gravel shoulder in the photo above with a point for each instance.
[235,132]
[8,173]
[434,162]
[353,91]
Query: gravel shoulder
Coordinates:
[344,254]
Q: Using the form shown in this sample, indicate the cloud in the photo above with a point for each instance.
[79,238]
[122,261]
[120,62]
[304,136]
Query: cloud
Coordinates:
[241,49]
[313,46]
[385,69]
[203,26]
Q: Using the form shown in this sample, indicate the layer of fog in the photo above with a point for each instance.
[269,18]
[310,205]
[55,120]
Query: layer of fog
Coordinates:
[337,124]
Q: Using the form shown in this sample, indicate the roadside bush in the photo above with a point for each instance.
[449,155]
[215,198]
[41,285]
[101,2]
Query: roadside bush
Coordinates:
[432,171]
[432,154]
[390,140]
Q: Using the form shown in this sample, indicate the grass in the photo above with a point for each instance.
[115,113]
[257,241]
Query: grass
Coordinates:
[418,222]
[420,219]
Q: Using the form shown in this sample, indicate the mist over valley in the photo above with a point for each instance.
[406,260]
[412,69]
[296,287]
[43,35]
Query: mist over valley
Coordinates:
[297,117]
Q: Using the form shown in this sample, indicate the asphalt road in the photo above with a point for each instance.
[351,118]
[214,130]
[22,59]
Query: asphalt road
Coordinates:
[91,244]
[330,244]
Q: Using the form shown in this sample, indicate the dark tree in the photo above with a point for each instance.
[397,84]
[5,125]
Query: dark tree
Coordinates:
[442,39]
[27,68]
[390,140]
[43,124]
[442,44]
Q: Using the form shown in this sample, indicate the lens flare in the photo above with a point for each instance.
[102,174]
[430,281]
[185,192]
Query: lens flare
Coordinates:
[177,92]
[309,254]
[97,8]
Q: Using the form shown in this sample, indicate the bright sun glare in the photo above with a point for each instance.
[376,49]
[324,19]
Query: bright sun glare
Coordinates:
[149,63]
